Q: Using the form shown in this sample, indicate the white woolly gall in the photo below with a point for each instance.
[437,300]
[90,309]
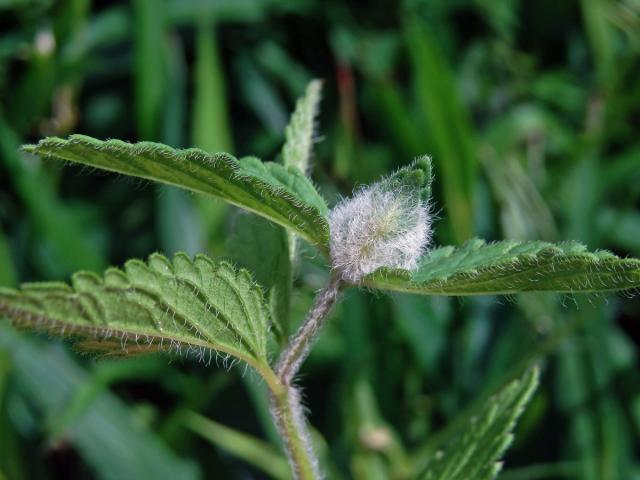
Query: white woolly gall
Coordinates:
[384,225]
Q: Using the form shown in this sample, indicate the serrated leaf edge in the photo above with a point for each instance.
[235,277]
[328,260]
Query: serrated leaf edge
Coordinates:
[204,349]
[45,146]
[561,252]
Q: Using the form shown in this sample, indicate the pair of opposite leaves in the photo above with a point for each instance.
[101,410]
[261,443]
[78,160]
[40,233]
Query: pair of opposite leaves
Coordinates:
[377,239]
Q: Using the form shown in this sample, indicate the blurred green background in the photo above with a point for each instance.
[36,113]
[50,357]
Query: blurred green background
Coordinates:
[530,110]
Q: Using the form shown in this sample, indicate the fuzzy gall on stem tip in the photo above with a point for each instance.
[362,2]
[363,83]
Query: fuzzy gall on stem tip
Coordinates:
[387,224]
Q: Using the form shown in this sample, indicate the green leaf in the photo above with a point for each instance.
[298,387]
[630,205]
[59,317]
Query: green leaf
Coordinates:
[300,133]
[263,249]
[211,122]
[476,452]
[300,137]
[507,267]
[193,306]
[151,68]
[281,194]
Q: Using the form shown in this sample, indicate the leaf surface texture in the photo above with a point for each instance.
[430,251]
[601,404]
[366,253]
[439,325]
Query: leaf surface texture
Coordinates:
[509,267]
[186,305]
[282,194]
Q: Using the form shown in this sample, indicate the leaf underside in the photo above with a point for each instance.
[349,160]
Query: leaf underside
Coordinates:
[510,267]
[186,305]
[281,194]
[476,452]
[262,248]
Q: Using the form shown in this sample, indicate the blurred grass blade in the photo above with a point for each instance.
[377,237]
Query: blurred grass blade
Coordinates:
[50,218]
[190,12]
[71,20]
[104,374]
[11,464]
[348,150]
[501,15]
[616,446]
[30,95]
[282,195]
[261,96]
[424,323]
[279,63]
[573,393]
[516,174]
[581,199]
[252,450]
[104,27]
[510,267]
[108,436]
[150,67]
[8,275]
[448,127]
[173,131]
[524,213]
[401,126]
[600,35]
[622,171]
[476,452]
[177,222]
[621,228]
[211,129]
[543,471]
[196,305]
[11,458]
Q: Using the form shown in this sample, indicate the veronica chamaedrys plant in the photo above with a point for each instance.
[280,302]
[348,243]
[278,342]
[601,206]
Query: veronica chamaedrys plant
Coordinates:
[378,239]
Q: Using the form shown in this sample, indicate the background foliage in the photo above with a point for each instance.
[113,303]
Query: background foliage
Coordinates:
[529,110]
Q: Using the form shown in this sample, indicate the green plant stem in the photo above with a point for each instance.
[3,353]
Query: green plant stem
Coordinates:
[300,344]
[286,411]
[288,417]
[285,405]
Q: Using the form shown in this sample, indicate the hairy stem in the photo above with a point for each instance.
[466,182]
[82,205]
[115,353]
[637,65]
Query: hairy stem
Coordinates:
[300,343]
[288,416]
[285,403]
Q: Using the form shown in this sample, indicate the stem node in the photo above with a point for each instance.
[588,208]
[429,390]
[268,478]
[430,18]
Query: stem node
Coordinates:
[285,403]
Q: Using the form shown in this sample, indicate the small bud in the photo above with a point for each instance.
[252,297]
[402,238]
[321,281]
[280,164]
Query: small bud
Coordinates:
[387,224]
